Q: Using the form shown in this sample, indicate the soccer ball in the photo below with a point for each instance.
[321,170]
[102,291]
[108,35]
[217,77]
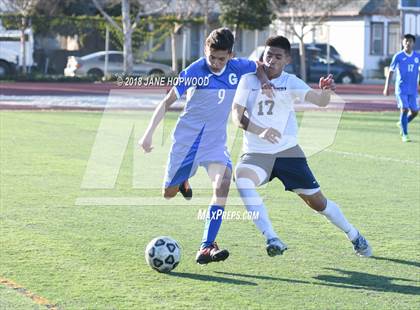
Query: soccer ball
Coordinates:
[163,254]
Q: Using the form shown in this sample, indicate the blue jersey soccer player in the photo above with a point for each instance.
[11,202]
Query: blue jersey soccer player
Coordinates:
[199,138]
[406,64]
[271,149]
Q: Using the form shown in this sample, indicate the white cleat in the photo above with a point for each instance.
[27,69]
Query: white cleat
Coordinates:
[361,246]
[275,247]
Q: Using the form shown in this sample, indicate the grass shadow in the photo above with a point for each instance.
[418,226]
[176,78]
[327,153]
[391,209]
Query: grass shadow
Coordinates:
[208,278]
[366,281]
[263,277]
[398,261]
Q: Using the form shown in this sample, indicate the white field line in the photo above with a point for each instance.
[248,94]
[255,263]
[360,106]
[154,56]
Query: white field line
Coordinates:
[178,201]
[148,201]
[375,157]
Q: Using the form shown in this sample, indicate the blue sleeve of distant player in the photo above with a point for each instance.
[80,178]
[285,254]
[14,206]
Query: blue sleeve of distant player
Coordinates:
[417,63]
[394,63]
[247,66]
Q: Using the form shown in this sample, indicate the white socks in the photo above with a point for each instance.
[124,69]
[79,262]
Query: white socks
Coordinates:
[254,204]
[333,213]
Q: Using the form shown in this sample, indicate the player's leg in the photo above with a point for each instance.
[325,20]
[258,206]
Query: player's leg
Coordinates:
[404,120]
[328,208]
[296,176]
[412,115]
[403,105]
[170,192]
[413,111]
[220,176]
[176,180]
[184,188]
[181,165]
[248,177]
[318,202]
[413,107]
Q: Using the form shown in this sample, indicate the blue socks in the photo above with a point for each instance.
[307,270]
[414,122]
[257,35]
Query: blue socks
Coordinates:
[404,122]
[213,222]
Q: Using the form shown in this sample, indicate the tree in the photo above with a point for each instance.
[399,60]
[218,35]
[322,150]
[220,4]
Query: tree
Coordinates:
[206,8]
[65,7]
[25,8]
[246,14]
[145,8]
[302,16]
[181,13]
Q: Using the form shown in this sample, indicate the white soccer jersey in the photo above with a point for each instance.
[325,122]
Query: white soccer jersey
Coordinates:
[277,113]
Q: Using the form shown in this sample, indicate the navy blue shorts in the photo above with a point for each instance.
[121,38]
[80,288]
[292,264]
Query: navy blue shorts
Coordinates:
[289,166]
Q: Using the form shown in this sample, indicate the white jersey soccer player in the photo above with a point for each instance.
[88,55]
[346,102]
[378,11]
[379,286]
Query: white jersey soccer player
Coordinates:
[271,148]
[277,113]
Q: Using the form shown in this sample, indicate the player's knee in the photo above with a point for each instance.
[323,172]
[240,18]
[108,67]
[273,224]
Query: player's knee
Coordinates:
[414,113]
[320,205]
[248,174]
[404,110]
[169,192]
[317,201]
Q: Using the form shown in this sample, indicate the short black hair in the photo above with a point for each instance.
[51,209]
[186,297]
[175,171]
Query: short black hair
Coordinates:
[410,36]
[221,39]
[278,41]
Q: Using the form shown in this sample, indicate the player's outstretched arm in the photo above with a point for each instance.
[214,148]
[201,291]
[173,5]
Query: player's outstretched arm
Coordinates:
[242,121]
[146,141]
[266,86]
[386,86]
[322,98]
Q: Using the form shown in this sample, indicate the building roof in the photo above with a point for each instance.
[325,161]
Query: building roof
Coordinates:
[355,8]
[368,7]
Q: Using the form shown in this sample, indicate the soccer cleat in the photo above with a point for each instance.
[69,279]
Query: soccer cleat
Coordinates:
[210,254]
[361,246]
[186,190]
[398,124]
[405,138]
[275,247]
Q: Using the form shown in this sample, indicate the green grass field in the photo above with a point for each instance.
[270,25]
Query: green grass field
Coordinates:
[92,256]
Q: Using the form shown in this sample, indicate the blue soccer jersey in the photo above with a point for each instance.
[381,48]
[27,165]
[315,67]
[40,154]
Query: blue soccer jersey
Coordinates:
[209,101]
[407,68]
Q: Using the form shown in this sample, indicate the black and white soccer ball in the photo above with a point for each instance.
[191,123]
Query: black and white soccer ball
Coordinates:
[163,254]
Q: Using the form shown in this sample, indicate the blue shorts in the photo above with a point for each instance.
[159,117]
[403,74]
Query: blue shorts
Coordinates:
[407,102]
[289,166]
[184,160]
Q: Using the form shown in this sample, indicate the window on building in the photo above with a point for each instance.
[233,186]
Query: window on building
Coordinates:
[377,39]
[394,40]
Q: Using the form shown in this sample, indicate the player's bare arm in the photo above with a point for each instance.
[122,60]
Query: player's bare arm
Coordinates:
[386,86]
[322,98]
[146,141]
[241,120]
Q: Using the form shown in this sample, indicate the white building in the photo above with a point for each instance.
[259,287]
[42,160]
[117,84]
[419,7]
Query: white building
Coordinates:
[364,32]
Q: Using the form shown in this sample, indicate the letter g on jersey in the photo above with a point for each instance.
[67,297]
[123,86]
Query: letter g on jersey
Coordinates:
[233,79]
